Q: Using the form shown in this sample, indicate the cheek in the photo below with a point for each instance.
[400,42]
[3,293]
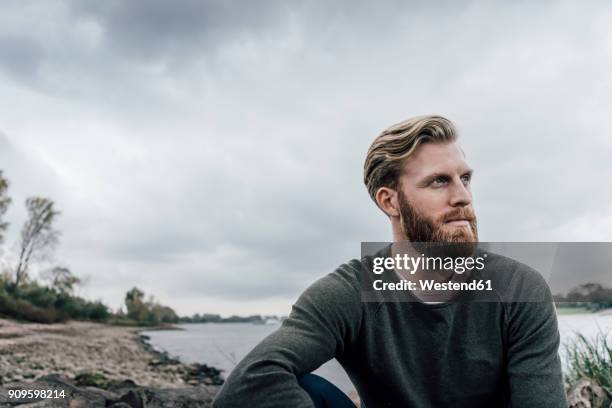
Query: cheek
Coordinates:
[431,206]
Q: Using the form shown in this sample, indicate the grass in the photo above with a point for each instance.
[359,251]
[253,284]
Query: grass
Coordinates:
[590,358]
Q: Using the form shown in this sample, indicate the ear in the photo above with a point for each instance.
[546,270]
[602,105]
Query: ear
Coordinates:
[388,201]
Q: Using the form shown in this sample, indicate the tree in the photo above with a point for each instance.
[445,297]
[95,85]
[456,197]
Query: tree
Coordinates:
[37,235]
[5,201]
[135,305]
[61,279]
[147,312]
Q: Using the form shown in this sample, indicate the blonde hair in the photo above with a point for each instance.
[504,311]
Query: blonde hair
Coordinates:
[394,145]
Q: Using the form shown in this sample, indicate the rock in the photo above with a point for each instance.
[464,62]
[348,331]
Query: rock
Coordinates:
[120,405]
[202,373]
[74,396]
[193,397]
[124,386]
[125,394]
[131,398]
[43,404]
[586,393]
[155,362]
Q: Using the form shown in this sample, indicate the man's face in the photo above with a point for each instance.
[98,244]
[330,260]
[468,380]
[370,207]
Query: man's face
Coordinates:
[435,199]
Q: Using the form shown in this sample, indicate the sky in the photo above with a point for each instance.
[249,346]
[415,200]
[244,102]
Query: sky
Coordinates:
[211,152]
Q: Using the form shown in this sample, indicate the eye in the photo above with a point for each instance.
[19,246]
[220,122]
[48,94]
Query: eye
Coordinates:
[466,178]
[439,181]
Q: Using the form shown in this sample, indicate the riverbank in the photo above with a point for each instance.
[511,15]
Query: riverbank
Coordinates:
[84,354]
[100,365]
[564,310]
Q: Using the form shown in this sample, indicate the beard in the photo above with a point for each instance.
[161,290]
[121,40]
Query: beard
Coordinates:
[435,237]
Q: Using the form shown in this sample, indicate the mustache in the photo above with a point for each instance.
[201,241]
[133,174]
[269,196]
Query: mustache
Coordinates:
[464,213]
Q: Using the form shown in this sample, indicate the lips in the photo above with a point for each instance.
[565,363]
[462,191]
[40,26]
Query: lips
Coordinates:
[463,217]
[459,222]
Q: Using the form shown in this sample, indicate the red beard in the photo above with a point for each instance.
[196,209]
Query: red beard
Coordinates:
[418,228]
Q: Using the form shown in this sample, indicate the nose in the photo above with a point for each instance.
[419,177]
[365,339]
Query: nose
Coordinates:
[460,194]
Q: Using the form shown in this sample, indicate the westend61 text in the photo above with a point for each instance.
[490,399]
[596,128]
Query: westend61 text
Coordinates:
[430,284]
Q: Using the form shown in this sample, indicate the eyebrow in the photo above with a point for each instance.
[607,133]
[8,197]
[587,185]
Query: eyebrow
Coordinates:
[428,179]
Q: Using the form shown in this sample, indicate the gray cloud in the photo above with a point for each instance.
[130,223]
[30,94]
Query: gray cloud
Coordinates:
[20,56]
[159,30]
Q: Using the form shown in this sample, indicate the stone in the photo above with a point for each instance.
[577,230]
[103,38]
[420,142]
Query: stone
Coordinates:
[124,394]
[131,398]
[586,393]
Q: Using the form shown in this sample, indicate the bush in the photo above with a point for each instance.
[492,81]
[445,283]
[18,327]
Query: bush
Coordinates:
[23,310]
[41,304]
[97,380]
[40,296]
[96,311]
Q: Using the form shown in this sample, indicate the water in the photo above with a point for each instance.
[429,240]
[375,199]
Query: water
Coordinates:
[222,345]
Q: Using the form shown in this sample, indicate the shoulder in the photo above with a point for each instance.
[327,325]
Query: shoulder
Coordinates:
[332,304]
[341,285]
[528,304]
[515,281]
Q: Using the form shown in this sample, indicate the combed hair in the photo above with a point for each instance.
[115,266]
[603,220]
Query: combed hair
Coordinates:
[390,149]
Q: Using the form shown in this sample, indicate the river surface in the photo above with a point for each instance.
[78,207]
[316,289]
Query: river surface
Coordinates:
[223,344]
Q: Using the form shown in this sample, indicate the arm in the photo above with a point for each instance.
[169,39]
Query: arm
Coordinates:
[533,364]
[322,322]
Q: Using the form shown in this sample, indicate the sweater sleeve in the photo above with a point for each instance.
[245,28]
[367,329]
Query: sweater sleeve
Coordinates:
[323,321]
[533,364]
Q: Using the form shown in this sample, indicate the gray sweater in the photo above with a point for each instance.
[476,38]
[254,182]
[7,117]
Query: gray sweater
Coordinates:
[411,354]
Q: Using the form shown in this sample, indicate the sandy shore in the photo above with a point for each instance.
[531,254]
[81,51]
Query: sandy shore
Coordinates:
[29,351]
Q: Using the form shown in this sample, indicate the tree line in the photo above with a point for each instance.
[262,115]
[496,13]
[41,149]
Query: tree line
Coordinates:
[592,296]
[52,298]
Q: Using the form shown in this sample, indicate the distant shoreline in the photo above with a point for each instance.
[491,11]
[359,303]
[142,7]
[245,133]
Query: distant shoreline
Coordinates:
[570,310]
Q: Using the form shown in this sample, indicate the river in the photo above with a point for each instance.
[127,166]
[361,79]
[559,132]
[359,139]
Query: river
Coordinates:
[223,344]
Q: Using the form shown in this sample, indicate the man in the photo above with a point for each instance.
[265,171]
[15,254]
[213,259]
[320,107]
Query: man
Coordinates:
[420,353]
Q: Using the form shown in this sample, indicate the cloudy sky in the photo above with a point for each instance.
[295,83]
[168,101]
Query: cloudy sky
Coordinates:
[210,152]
